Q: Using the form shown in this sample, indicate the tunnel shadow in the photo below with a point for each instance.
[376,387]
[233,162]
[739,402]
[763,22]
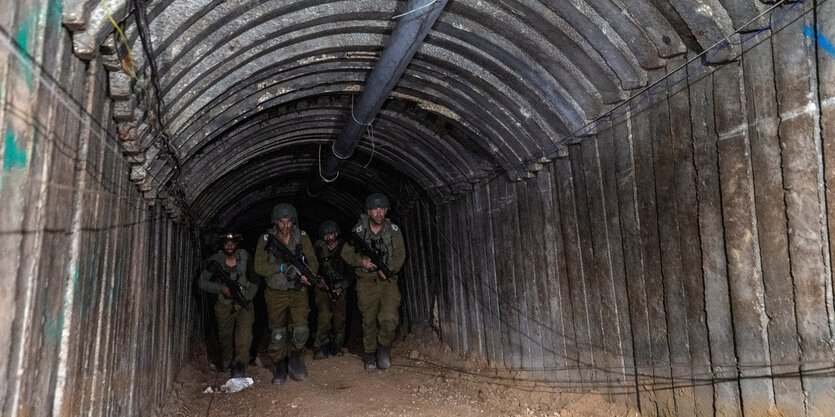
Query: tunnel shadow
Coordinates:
[208,322]
[260,327]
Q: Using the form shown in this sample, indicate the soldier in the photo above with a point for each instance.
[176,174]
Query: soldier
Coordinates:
[286,291]
[329,339]
[226,274]
[378,297]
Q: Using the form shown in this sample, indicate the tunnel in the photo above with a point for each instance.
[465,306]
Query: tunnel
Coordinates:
[628,197]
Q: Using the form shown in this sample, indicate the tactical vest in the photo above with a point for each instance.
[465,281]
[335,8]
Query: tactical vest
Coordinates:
[330,261]
[382,241]
[280,280]
[236,274]
[240,264]
[295,236]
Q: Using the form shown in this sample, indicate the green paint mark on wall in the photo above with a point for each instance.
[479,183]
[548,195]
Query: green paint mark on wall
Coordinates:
[23,35]
[53,327]
[5,147]
[14,156]
[54,11]
[27,34]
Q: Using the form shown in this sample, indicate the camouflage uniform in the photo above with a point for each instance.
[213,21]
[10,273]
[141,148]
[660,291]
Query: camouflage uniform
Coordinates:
[232,325]
[339,277]
[378,299]
[285,294]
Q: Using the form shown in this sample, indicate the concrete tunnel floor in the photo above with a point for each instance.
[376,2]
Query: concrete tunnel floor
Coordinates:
[426,379]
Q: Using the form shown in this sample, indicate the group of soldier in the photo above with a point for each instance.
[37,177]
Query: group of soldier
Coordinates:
[291,265]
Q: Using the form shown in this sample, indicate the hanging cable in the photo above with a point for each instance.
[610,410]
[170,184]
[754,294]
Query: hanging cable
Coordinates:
[61,95]
[417,9]
[370,131]
[320,168]
[155,104]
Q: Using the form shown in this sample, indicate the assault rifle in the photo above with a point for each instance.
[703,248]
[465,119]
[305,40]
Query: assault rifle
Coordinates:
[235,288]
[279,251]
[376,256]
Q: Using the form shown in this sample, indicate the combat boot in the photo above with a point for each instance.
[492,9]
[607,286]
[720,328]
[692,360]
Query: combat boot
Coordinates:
[280,376]
[370,362]
[296,366]
[237,370]
[383,360]
[321,353]
[336,349]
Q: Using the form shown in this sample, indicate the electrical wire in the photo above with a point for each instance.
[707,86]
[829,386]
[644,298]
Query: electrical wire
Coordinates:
[414,10]
[60,95]
[77,111]
[320,168]
[370,131]
[707,54]
[639,98]
[177,191]
[651,364]
[646,382]
[354,118]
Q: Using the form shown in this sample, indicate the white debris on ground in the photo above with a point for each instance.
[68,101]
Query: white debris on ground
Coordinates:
[235,385]
[231,386]
[426,380]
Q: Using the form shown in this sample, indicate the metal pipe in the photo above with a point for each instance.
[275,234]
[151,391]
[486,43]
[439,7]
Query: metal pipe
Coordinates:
[405,40]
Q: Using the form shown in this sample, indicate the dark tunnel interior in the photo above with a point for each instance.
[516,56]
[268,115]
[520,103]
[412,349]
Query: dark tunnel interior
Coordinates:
[632,197]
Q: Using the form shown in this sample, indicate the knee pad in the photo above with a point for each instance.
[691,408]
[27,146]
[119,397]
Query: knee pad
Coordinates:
[300,335]
[277,338]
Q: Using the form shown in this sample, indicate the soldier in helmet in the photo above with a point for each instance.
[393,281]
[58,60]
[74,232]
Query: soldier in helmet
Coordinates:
[329,339]
[225,273]
[378,296]
[286,292]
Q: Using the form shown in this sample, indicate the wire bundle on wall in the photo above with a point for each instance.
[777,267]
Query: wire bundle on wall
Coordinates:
[155,104]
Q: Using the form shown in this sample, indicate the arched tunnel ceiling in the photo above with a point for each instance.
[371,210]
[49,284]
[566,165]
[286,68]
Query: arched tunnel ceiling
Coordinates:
[249,91]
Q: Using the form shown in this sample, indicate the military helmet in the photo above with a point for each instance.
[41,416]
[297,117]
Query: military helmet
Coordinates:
[327,227]
[376,200]
[285,211]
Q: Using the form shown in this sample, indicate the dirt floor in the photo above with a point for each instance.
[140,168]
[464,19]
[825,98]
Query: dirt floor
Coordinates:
[426,379]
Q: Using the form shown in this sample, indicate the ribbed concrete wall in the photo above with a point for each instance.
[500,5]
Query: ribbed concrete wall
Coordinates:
[681,256]
[97,303]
